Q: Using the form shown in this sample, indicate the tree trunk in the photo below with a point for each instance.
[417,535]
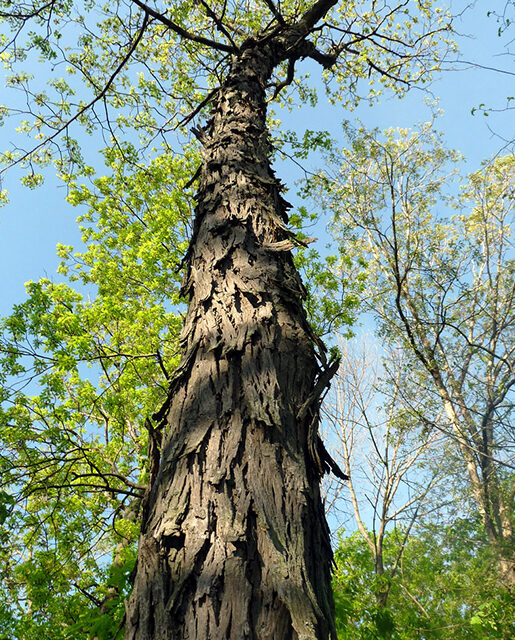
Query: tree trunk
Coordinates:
[234,543]
[475,443]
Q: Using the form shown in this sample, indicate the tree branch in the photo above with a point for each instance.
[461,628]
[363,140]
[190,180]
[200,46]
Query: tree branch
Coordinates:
[183,32]
[313,15]
[277,14]
[27,16]
[90,104]
[219,24]
[308,50]
[288,80]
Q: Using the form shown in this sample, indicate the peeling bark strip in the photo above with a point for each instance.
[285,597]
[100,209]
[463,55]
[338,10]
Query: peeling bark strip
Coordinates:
[234,544]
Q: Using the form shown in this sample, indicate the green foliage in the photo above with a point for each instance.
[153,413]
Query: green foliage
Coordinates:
[6,501]
[445,584]
[331,301]
[84,364]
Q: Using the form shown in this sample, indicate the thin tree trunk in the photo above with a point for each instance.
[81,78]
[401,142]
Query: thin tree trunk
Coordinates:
[475,446]
[234,543]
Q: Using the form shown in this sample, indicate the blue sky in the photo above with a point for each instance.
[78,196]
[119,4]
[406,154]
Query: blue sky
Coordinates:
[35,221]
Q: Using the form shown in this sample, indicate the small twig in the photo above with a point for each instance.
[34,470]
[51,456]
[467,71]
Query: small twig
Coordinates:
[199,107]
[290,74]
[94,600]
[219,24]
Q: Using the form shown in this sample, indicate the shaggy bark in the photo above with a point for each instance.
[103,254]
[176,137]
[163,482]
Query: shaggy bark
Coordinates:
[234,543]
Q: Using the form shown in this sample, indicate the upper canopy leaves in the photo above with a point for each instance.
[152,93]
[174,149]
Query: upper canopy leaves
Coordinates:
[132,68]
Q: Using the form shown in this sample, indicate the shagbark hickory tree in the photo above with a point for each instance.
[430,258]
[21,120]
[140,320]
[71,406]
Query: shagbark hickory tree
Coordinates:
[233,539]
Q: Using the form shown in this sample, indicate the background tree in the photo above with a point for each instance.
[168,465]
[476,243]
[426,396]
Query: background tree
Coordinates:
[76,453]
[233,539]
[386,456]
[410,561]
[442,291]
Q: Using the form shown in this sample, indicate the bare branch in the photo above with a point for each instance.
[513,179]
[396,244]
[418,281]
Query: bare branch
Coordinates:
[183,32]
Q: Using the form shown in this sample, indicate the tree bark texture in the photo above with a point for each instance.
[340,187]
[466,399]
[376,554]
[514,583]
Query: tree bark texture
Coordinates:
[234,543]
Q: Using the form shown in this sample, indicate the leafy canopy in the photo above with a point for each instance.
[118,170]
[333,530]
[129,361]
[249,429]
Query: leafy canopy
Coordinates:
[135,71]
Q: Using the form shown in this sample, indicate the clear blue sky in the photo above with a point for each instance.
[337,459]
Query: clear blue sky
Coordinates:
[35,221]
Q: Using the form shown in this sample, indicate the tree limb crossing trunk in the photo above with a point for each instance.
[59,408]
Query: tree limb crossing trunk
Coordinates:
[234,544]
